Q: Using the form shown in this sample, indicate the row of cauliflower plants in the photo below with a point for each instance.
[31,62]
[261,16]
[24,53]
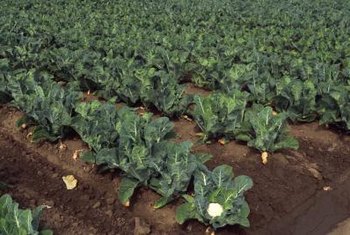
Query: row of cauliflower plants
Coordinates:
[139,145]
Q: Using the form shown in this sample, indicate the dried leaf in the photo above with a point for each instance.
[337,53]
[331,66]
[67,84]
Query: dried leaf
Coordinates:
[327,188]
[222,141]
[30,134]
[315,173]
[62,146]
[76,154]
[187,118]
[264,156]
[126,204]
[209,230]
[70,181]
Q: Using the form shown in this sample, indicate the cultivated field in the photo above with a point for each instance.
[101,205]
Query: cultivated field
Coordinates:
[174,117]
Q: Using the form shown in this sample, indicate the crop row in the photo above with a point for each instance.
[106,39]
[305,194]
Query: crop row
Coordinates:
[139,145]
[141,52]
[218,115]
[122,70]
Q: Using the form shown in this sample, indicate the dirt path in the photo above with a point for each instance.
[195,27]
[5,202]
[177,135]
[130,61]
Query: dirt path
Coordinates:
[37,182]
[320,214]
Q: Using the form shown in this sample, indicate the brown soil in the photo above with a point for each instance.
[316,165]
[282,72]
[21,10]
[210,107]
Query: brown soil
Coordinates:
[297,192]
[38,182]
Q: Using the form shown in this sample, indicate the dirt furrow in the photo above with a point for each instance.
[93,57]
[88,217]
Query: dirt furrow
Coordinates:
[38,182]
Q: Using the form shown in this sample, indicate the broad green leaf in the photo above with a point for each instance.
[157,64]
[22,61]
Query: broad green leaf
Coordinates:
[89,157]
[41,133]
[188,198]
[161,202]
[242,183]
[185,212]
[221,174]
[46,232]
[203,157]
[17,221]
[126,189]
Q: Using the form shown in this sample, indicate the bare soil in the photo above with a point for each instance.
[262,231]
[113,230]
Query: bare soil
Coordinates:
[297,192]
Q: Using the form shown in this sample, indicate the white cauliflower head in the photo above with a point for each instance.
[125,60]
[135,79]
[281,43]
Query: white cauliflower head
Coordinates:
[215,209]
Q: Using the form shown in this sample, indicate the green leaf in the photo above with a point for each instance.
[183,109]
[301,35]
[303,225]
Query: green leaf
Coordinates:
[243,137]
[242,183]
[219,186]
[89,157]
[220,114]
[96,123]
[46,232]
[266,132]
[297,98]
[44,101]
[287,142]
[174,171]
[185,212]
[188,198]
[162,202]
[36,217]
[203,157]
[158,130]
[126,189]
[221,174]
[23,120]
[17,221]
[40,133]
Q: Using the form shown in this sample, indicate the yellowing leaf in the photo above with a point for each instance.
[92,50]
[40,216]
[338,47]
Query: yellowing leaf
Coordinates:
[76,154]
[264,157]
[327,188]
[62,146]
[187,118]
[70,181]
[200,134]
[126,204]
[222,141]
[30,134]
[210,231]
